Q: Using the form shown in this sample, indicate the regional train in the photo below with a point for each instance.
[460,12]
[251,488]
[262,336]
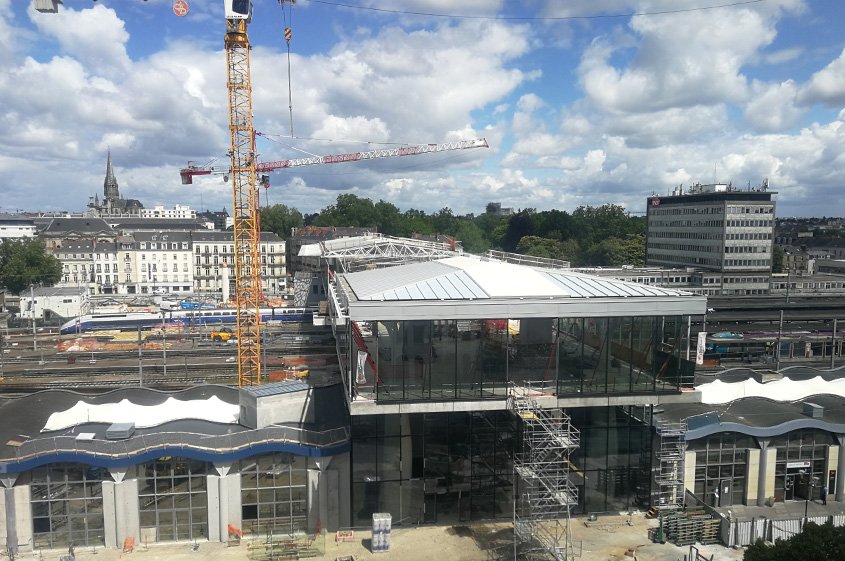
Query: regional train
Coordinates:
[148,320]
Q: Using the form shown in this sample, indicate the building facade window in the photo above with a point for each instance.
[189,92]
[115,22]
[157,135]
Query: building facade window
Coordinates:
[173,500]
[67,506]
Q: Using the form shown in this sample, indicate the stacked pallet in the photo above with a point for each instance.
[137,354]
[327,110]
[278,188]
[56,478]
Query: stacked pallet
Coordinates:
[689,527]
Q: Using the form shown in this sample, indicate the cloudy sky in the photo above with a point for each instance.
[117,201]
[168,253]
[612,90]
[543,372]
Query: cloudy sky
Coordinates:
[581,101]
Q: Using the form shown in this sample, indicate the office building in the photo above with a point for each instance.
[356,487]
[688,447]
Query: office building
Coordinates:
[722,234]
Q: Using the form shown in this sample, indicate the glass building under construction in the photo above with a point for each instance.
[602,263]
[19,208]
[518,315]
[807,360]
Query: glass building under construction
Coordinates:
[423,422]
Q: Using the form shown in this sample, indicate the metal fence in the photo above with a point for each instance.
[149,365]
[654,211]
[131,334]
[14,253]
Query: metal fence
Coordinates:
[746,532]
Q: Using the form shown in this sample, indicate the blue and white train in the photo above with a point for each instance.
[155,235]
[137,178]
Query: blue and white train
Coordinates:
[149,320]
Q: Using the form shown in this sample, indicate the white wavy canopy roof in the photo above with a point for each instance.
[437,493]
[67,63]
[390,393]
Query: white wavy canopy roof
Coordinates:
[212,409]
[718,392]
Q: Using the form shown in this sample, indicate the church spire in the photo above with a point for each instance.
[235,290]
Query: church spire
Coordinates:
[110,191]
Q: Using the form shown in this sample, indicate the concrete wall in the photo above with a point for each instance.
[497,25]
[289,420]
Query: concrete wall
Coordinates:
[294,407]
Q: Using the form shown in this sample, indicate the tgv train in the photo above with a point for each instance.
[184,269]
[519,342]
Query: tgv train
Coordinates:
[147,320]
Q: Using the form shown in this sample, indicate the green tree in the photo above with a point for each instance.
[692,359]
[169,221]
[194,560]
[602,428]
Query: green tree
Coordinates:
[444,221]
[545,247]
[416,222]
[348,210]
[594,224]
[26,262]
[471,236]
[279,219]
[492,227]
[519,225]
[615,252]
[388,218]
[814,543]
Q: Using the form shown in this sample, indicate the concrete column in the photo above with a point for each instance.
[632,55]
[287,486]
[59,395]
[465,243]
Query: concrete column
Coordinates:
[771,460]
[341,495]
[752,477]
[109,515]
[22,498]
[313,498]
[3,531]
[832,462]
[840,469]
[224,504]
[9,528]
[126,507]
[763,471]
[689,470]
[212,486]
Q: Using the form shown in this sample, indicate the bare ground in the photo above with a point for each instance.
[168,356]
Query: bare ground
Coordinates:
[608,539]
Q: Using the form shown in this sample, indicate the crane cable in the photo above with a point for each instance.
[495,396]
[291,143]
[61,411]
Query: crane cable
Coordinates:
[288,37]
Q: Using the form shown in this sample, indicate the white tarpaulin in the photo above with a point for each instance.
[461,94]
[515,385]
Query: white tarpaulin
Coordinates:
[719,392]
[212,409]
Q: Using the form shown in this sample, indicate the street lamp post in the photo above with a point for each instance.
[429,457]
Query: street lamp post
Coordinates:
[788,281]
[810,494]
[32,315]
[163,345]
[777,349]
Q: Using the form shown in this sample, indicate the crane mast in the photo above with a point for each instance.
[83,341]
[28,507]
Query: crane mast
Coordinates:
[247,228]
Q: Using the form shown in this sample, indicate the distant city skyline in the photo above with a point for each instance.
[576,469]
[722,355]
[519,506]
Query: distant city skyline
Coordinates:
[582,103]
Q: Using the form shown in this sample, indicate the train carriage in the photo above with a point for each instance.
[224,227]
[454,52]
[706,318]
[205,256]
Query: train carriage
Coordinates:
[148,320]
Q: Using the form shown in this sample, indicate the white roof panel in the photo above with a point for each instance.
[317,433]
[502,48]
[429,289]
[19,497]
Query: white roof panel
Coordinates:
[471,287]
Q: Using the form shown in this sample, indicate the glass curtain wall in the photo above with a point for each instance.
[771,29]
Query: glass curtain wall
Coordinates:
[173,498]
[612,466]
[476,359]
[800,468]
[67,506]
[721,463]
[273,494]
[437,467]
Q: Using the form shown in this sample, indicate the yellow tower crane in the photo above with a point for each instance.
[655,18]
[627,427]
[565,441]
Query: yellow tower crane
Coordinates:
[245,194]
[245,213]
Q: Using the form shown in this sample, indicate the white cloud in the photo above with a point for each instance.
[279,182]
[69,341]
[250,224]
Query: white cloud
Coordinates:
[772,107]
[94,36]
[827,85]
[668,69]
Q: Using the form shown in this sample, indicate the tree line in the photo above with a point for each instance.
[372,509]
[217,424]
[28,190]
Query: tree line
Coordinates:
[606,235]
[589,236]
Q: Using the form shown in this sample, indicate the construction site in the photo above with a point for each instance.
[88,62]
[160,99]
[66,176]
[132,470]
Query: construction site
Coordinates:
[434,402]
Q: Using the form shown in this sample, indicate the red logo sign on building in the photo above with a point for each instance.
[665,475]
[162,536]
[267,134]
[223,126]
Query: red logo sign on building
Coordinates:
[655,201]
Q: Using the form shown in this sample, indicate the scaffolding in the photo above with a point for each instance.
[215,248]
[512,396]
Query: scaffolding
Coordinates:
[669,475]
[541,518]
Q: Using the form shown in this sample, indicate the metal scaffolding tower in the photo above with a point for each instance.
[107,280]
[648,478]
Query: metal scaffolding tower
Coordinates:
[669,475]
[544,494]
